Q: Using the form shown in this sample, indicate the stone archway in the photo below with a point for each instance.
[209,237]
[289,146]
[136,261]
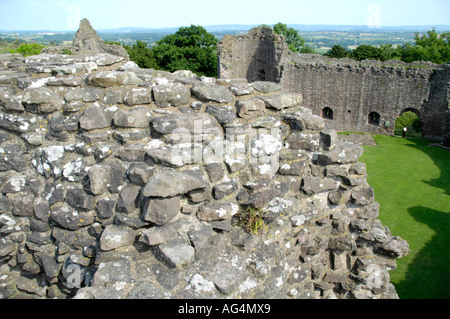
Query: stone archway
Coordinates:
[411,118]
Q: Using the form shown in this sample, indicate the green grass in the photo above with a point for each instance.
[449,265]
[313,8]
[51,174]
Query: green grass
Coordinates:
[412,184]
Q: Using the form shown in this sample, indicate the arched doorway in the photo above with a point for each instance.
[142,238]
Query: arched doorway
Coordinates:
[409,118]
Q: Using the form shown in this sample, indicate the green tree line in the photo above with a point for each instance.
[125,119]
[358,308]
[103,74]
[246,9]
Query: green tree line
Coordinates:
[190,48]
[432,47]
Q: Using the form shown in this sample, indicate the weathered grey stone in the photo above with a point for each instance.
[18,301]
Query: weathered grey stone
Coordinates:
[176,252]
[227,276]
[363,195]
[62,123]
[78,199]
[105,207]
[98,293]
[113,271]
[132,152]
[145,290]
[23,205]
[212,92]
[161,211]
[343,153]
[339,196]
[329,139]
[97,117]
[70,81]
[304,141]
[42,100]
[85,94]
[303,119]
[158,235]
[114,237]
[10,100]
[215,172]
[283,101]
[71,219]
[113,78]
[395,248]
[104,178]
[224,115]
[224,189]
[20,123]
[200,236]
[7,247]
[176,156]
[50,266]
[138,97]
[264,145]
[77,238]
[295,168]
[137,117]
[313,185]
[53,193]
[261,193]
[139,174]
[266,87]
[298,220]
[240,89]
[172,183]
[33,285]
[249,109]
[128,199]
[200,123]
[345,243]
[217,211]
[171,94]
[13,157]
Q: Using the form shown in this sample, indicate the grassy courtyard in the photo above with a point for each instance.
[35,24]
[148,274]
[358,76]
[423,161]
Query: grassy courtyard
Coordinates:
[412,183]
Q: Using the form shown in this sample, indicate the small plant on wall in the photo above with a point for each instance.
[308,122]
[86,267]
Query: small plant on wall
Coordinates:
[252,220]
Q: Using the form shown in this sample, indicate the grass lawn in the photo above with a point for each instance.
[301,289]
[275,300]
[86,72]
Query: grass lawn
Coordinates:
[412,184]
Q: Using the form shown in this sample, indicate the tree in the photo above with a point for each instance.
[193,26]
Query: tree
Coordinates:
[388,52]
[190,48]
[338,52]
[307,49]
[294,41]
[432,47]
[142,55]
[366,52]
[28,49]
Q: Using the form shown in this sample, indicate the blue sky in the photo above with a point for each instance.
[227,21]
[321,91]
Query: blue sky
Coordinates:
[62,15]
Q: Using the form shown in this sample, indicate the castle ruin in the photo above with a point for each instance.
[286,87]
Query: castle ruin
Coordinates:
[122,182]
[366,96]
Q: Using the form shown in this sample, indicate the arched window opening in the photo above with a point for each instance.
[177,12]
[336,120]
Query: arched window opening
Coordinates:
[374,118]
[327,113]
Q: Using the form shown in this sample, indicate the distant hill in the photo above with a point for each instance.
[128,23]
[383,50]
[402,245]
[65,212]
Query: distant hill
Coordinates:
[244,27]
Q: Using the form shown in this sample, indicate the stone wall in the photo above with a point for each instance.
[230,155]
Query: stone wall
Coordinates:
[256,56]
[365,96]
[120,182]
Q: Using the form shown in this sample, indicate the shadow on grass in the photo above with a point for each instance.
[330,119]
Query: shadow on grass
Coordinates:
[427,276]
[441,158]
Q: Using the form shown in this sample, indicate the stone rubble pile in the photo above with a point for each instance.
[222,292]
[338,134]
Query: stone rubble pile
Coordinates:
[121,182]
